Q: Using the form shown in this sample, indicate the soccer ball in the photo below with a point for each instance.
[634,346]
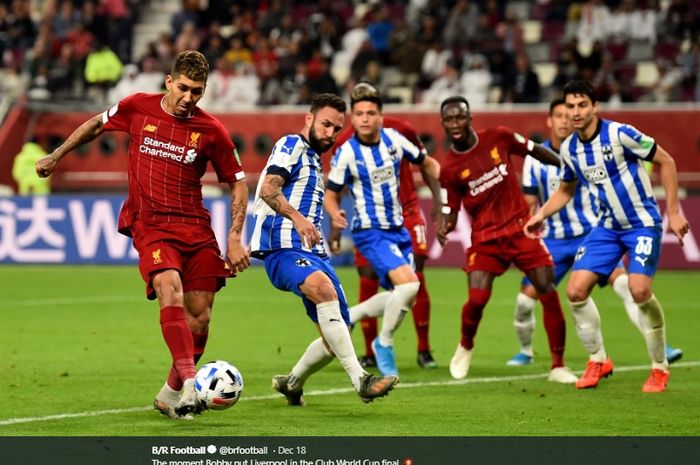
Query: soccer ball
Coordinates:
[219,385]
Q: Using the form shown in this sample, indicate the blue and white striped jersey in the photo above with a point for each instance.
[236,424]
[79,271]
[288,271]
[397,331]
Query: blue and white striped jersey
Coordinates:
[371,172]
[577,218]
[610,164]
[292,158]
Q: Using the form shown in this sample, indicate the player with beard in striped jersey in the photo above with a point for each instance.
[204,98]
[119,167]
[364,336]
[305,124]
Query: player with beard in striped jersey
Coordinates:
[287,236]
[607,157]
[369,165]
[172,141]
[563,234]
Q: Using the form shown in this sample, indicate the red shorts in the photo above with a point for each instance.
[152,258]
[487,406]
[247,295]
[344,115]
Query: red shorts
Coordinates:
[495,256]
[191,249]
[416,228]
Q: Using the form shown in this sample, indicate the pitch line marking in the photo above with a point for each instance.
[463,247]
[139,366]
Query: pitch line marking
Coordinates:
[328,392]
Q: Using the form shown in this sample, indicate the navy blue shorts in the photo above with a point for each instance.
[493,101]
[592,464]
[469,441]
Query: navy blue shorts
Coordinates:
[289,268]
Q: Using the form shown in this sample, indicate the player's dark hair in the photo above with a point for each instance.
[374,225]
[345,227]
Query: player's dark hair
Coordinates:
[555,103]
[580,87]
[320,101]
[454,99]
[365,92]
[191,64]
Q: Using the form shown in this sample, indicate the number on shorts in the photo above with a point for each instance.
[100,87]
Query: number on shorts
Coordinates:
[644,245]
[419,229]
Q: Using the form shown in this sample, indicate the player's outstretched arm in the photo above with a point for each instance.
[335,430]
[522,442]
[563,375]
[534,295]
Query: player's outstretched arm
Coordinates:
[237,256]
[447,225]
[556,202]
[271,194]
[427,171]
[545,155]
[677,223]
[332,205]
[86,132]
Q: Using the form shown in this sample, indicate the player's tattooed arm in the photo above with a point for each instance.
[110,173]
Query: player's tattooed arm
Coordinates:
[271,194]
[237,257]
[86,132]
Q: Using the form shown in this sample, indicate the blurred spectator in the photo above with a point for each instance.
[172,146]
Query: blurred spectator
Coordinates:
[238,52]
[461,24]
[61,74]
[524,86]
[476,79]
[24,170]
[434,61]
[188,38]
[667,86]
[323,81]
[190,13]
[643,23]
[447,85]
[379,31]
[593,24]
[65,19]
[102,70]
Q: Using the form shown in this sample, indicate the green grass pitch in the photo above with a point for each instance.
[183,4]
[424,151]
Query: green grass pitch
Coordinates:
[82,355]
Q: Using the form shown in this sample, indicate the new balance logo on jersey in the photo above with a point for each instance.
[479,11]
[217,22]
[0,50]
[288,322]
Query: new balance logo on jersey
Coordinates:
[302,262]
[381,175]
[595,174]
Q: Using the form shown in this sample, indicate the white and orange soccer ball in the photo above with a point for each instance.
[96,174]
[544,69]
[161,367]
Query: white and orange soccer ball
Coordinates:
[219,385]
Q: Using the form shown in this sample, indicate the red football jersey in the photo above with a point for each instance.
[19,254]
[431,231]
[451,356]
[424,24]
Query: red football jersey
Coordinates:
[168,156]
[407,188]
[484,180]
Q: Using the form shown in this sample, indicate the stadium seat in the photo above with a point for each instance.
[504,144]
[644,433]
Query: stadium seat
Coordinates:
[647,74]
[618,50]
[639,51]
[552,31]
[626,73]
[402,93]
[538,53]
[667,50]
[532,31]
[546,72]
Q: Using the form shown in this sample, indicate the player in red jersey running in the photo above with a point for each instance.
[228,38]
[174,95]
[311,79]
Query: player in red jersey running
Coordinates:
[171,143]
[477,173]
[415,223]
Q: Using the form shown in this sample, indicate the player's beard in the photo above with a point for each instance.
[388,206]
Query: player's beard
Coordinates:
[316,143]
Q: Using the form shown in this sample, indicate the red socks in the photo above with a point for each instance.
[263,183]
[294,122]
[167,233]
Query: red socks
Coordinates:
[178,338]
[472,312]
[555,326]
[421,315]
[368,287]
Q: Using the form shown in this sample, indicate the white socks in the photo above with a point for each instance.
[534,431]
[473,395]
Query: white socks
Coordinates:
[524,321]
[370,308]
[587,321]
[337,335]
[314,358]
[399,302]
[649,320]
[655,333]
[621,286]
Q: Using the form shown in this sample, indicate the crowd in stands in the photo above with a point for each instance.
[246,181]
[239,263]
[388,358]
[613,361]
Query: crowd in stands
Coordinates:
[274,52]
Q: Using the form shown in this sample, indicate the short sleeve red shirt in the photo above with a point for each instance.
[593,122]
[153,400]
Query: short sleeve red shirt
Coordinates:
[484,180]
[168,156]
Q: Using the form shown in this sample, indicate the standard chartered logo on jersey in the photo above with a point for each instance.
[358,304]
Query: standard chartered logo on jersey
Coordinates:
[488,179]
[157,148]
